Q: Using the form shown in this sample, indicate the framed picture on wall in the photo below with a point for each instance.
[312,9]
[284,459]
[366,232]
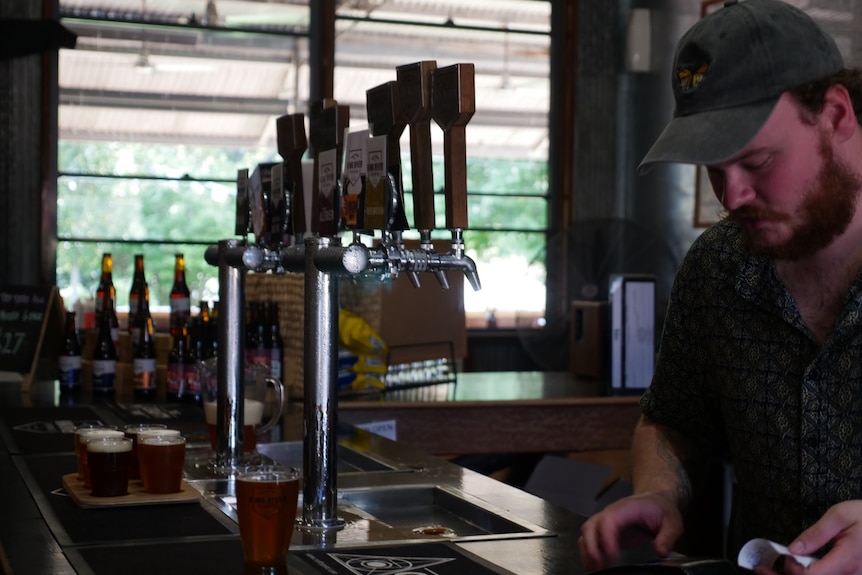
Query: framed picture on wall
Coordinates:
[707,208]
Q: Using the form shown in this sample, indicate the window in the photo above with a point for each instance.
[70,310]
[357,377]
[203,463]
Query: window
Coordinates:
[161,103]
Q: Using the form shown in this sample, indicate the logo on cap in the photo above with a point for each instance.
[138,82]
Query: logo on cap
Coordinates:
[690,78]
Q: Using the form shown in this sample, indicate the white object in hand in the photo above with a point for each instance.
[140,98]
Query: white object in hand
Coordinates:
[765,552]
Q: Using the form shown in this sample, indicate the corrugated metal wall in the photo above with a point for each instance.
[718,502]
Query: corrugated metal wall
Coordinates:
[22,153]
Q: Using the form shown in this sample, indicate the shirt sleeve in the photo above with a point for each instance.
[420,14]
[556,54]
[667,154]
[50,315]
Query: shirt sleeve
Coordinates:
[682,393]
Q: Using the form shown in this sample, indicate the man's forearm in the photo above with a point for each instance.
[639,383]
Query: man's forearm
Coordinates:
[660,455]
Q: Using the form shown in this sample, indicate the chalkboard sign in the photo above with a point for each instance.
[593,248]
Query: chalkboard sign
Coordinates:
[26,312]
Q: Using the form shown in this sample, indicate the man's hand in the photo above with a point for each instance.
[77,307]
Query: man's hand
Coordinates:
[629,522]
[841,526]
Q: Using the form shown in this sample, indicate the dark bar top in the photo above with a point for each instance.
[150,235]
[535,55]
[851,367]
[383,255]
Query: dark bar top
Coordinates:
[43,532]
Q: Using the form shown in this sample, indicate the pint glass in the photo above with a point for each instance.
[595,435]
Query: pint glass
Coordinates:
[266,503]
[161,458]
[108,459]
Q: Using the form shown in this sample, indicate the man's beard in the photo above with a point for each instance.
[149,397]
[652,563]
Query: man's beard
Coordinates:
[826,210]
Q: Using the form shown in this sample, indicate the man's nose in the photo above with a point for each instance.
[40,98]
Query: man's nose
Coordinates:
[738,190]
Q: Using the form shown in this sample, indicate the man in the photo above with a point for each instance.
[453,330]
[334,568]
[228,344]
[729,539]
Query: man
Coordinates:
[760,362]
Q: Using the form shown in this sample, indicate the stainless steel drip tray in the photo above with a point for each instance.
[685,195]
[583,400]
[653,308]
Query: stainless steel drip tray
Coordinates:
[401,513]
[434,512]
[289,454]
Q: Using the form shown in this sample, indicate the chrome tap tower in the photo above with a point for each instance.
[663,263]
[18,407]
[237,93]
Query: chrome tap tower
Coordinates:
[286,243]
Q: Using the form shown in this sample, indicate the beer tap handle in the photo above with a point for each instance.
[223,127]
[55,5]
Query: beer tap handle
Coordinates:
[257,198]
[327,139]
[414,87]
[242,223]
[315,112]
[383,105]
[453,102]
[292,144]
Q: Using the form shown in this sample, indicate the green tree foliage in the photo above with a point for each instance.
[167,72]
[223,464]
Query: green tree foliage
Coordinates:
[128,198]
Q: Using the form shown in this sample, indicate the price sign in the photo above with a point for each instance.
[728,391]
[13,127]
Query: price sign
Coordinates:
[25,314]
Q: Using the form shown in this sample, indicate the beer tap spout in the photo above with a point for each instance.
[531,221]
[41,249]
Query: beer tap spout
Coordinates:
[469,268]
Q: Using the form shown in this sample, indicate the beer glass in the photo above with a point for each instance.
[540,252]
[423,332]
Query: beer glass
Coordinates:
[132,431]
[162,458]
[81,437]
[77,442]
[108,459]
[256,384]
[266,501]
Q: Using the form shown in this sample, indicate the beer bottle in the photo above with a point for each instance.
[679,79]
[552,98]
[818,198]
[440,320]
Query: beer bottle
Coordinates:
[205,320]
[144,362]
[105,353]
[137,293]
[176,369]
[69,359]
[106,285]
[194,355]
[276,344]
[212,338]
[180,295]
[257,343]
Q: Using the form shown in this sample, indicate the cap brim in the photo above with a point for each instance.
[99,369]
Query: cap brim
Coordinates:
[708,137]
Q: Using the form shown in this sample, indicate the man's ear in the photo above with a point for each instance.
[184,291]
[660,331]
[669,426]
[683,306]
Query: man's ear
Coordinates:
[838,112]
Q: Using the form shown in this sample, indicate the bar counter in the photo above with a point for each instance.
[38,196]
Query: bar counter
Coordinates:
[43,531]
[502,412]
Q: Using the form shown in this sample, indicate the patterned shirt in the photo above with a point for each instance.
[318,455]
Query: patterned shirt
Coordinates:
[740,373]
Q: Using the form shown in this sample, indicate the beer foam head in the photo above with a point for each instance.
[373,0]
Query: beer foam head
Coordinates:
[137,429]
[252,412]
[93,432]
[157,432]
[152,439]
[108,445]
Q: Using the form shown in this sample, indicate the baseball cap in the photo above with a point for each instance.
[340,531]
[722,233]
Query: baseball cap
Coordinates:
[729,72]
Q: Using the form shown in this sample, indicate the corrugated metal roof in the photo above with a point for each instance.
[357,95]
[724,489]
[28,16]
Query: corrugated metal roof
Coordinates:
[157,70]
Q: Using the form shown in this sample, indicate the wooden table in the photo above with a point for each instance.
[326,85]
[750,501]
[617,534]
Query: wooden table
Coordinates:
[502,412]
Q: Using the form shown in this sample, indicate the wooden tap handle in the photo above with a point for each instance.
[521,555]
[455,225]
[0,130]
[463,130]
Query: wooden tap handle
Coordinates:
[414,87]
[329,143]
[292,144]
[453,102]
[383,105]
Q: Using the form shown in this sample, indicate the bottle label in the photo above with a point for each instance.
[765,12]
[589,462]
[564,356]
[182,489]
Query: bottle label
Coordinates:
[176,378]
[181,305]
[144,365]
[275,363]
[145,373]
[70,371]
[104,374]
[69,363]
[258,357]
[193,380]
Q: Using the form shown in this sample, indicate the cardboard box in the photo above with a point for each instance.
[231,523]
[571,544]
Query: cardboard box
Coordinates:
[416,323]
[589,339]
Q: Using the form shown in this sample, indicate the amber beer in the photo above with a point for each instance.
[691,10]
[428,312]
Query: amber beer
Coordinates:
[266,510]
[162,458]
[132,431]
[252,416]
[108,460]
